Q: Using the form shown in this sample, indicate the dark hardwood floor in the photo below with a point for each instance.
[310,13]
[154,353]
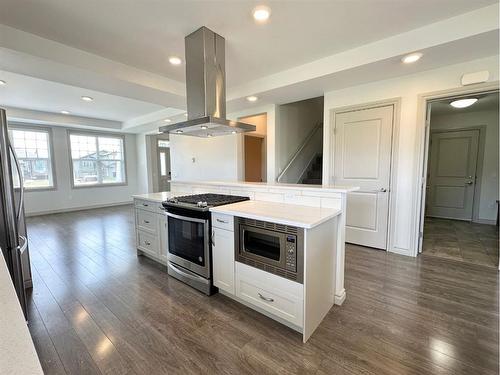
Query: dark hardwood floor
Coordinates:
[98,308]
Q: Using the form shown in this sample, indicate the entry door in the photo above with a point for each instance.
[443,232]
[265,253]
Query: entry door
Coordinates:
[363,142]
[163,168]
[452,174]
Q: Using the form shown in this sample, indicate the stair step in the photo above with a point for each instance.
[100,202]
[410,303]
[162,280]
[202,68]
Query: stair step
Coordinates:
[314,174]
[312,181]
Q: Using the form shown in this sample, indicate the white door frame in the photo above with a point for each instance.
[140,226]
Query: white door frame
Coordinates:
[422,145]
[396,103]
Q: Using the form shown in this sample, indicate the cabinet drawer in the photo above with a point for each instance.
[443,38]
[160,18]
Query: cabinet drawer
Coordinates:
[147,242]
[146,205]
[146,221]
[223,221]
[280,297]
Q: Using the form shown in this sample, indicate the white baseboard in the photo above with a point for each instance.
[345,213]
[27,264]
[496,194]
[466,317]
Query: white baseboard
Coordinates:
[485,221]
[340,298]
[72,209]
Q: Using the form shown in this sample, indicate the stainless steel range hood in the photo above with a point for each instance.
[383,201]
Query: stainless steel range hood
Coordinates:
[206,89]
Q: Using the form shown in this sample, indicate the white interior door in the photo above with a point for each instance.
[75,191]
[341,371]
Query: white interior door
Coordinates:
[362,158]
[452,174]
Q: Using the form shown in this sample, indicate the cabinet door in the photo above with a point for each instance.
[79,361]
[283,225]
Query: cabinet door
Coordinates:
[162,227]
[223,259]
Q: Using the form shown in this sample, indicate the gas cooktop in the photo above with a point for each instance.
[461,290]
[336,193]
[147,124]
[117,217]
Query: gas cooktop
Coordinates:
[203,201]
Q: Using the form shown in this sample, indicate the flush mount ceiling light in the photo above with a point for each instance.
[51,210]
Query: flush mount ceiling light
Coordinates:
[179,131]
[261,13]
[2,82]
[233,132]
[463,103]
[174,60]
[414,57]
[87,98]
[252,98]
[167,120]
[65,112]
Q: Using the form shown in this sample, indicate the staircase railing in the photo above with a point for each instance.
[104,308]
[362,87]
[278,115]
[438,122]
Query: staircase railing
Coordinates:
[311,134]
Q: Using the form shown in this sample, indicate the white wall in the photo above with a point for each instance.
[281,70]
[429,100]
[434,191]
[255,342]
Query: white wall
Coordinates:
[218,158]
[407,88]
[65,197]
[295,122]
[487,209]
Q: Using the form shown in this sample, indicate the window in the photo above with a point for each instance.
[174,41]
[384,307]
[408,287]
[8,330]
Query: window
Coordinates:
[97,159]
[32,148]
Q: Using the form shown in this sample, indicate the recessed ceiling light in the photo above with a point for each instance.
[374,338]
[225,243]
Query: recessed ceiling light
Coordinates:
[174,60]
[65,112]
[463,103]
[87,98]
[233,132]
[261,13]
[408,59]
[252,98]
[204,127]
[167,120]
[179,131]
[2,82]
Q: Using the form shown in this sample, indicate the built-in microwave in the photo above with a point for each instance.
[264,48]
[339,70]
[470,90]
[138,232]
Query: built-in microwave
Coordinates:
[275,248]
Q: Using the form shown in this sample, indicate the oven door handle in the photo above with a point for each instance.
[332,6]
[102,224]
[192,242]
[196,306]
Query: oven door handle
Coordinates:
[185,274]
[187,218]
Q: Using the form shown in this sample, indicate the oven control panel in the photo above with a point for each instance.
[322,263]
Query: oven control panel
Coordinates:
[291,253]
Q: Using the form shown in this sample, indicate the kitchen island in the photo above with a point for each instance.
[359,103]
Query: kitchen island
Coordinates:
[316,211]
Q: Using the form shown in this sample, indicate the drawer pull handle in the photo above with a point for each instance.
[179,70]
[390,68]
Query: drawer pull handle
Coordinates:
[146,221]
[221,221]
[147,243]
[267,299]
[145,205]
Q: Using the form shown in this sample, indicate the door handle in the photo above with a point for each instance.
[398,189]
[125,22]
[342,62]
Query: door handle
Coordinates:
[383,190]
[212,239]
[469,182]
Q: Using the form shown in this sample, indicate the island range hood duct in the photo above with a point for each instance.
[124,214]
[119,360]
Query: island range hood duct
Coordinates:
[206,89]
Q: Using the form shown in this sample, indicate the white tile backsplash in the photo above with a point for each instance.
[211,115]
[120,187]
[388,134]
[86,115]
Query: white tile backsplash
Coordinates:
[300,196]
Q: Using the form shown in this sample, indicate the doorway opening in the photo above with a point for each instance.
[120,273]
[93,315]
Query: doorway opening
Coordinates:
[255,149]
[459,207]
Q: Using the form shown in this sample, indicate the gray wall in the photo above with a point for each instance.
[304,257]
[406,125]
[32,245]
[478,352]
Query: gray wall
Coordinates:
[64,197]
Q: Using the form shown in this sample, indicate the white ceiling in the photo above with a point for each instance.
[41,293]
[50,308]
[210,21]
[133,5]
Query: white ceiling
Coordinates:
[488,102]
[116,51]
[144,33]
[22,91]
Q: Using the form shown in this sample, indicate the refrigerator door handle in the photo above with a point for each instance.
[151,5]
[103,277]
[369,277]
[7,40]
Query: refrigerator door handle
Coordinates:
[21,185]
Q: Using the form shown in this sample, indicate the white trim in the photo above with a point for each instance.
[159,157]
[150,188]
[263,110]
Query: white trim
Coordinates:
[79,208]
[420,144]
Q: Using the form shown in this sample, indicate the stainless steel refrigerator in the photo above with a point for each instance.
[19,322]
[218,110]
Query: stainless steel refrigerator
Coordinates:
[13,237]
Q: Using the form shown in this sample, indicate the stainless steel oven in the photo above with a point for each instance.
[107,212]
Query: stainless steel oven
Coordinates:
[274,248]
[189,256]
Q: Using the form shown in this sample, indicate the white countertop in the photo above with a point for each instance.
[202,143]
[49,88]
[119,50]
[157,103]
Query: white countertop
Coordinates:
[154,197]
[17,352]
[243,184]
[280,213]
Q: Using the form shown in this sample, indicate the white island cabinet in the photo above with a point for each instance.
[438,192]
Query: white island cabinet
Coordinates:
[151,226]
[223,252]
[299,305]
